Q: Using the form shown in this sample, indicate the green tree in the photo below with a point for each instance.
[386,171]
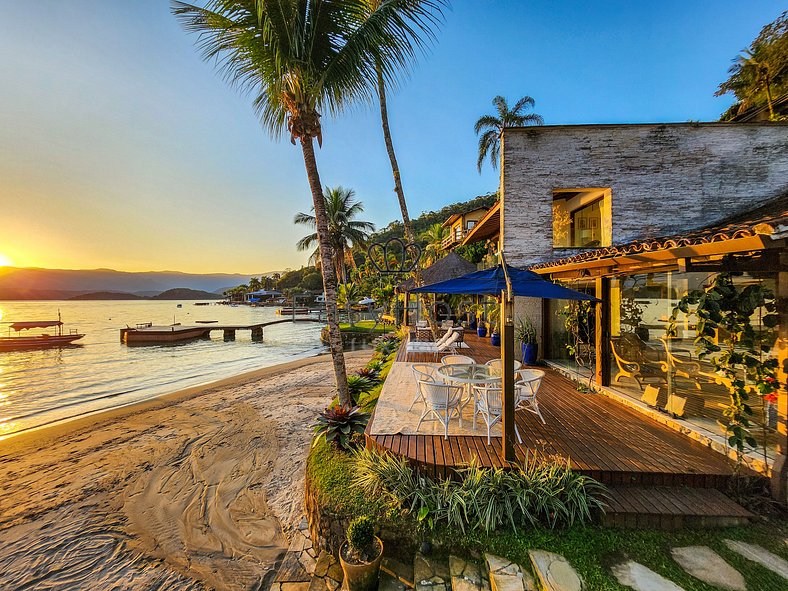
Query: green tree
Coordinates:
[760,72]
[433,238]
[344,231]
[300,58]
[348,294]
[491,126]
[255,284]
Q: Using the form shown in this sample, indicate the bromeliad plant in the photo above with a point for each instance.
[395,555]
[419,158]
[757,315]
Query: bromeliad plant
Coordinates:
[739,353]
[338,424]
[358,385]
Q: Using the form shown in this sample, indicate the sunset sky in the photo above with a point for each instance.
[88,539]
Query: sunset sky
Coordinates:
[121,148]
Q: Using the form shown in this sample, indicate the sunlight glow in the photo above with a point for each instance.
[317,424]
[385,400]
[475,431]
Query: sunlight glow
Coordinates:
[5,261]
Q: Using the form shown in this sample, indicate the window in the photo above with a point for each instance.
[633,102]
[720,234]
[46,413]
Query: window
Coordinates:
[581,218]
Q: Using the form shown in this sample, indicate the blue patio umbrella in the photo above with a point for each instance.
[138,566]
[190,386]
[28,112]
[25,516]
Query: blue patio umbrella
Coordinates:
[493,281]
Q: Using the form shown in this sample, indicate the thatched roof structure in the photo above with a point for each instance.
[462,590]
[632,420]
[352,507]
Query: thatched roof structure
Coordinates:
[449,267]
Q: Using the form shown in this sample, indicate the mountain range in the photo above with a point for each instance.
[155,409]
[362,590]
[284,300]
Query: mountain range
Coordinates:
[54,284]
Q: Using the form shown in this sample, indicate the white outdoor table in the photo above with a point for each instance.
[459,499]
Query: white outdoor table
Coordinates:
[469,375]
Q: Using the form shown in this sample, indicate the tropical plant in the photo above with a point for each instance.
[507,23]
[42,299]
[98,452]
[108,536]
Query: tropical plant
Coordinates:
[724,313]
[434,237]
[491,126]
[345,232]
[358,385]
[760,72]
[361,539]
[494,319]
[337,424]
[525,331]
[348,295]
[369,373]
[300,58]
[538,490]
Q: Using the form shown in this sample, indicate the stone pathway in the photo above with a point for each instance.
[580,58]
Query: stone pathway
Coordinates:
[705,564]
[640,578]
[508,576]
[554,572]
[431,574]
[760,555]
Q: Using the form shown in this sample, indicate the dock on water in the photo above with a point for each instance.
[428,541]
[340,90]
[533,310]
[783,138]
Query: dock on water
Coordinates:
[150,334]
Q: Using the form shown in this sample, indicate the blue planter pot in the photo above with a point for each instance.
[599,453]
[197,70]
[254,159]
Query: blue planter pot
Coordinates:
[481,332]
[530,353]
[495,340]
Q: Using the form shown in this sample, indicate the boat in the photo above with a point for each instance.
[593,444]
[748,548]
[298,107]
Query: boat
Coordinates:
[15,342]
[148,333]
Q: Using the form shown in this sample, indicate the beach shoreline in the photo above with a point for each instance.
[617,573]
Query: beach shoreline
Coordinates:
[189,490]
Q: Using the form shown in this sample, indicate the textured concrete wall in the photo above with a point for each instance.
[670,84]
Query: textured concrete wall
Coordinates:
[665,179]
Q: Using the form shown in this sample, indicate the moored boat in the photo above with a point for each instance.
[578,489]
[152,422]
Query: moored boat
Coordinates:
[18,341]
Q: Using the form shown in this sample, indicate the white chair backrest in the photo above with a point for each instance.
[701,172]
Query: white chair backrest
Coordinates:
[447,324]
[491,400]
[421,324]
[440,396]
[453,336]
[425,371]
[531,378]
[457,359]
[498,364]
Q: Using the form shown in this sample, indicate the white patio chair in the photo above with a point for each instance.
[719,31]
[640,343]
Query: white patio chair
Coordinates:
[423,372]
[527,384]
[457,359]
[497,364]
[442,402]
[489,405]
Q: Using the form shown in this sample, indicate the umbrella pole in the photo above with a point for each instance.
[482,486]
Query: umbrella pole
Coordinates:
[507,362]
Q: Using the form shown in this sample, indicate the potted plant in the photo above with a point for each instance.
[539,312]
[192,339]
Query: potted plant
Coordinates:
[481,328]
[526,334]
[495,333]
[360,555]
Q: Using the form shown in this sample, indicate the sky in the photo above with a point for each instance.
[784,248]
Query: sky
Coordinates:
[120,148]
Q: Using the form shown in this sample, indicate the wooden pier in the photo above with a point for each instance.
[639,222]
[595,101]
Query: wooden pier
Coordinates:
[149,334]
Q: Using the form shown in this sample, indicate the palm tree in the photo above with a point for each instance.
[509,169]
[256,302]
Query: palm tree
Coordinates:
[345,233]
[300,58]
[349,294]
[434,237]
[493,126]
[751,74]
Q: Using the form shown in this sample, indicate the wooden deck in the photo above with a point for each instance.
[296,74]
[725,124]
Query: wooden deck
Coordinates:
[603,439]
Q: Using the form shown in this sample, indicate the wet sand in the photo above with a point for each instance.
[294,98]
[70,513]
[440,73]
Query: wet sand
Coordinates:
[193,490]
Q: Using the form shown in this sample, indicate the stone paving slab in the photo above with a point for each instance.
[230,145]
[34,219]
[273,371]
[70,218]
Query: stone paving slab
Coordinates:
[705,564]
[640,578]
[554,572]
[398,569]
[390,583]
[760,555]
[507,576]
[430,574]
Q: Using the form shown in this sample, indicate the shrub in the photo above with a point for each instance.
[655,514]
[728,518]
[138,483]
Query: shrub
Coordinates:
[338,424]
[369,373]
[537,491]
[387,344]
[358,385]
[361,539]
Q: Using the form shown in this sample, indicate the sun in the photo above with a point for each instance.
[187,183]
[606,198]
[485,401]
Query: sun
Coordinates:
[5,261]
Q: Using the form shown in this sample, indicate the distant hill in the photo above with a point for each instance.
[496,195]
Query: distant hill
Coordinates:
[396,230]
[184,293]
[106,295]
[54,284]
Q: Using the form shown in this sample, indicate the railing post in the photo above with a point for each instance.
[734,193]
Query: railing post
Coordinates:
[780,466]
[602,332]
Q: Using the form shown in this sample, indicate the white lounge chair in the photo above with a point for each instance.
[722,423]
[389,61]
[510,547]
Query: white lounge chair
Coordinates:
[447,343]
[442,402]
[527,384]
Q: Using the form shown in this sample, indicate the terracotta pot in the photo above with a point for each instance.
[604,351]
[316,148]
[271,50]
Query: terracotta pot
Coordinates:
[361,577]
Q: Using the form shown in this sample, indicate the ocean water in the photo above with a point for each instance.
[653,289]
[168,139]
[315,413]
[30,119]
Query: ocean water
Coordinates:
[41,387]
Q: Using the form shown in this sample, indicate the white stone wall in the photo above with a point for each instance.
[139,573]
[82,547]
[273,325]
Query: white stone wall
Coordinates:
[665,179]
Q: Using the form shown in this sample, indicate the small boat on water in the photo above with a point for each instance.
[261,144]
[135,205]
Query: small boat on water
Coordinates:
[18,341]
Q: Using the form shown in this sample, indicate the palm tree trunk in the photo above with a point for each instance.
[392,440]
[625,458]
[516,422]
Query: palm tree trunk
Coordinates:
[403,206]
[328,271]
[769,97]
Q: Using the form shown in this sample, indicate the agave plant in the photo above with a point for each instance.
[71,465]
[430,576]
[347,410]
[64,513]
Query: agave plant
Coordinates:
[338,424]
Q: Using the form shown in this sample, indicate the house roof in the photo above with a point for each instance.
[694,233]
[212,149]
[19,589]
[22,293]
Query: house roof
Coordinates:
[455,216]
[770,219]
[449,267]
[487,227]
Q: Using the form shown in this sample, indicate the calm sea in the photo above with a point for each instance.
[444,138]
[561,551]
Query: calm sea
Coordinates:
[41,387]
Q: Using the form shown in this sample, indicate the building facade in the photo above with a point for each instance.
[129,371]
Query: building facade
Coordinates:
[641,216]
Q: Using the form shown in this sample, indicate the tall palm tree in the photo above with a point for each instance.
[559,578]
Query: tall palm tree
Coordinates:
[345,232]
[491,126]
[300,58]
[434,237]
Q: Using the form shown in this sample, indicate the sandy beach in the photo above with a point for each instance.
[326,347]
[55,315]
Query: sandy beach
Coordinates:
[193,490]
